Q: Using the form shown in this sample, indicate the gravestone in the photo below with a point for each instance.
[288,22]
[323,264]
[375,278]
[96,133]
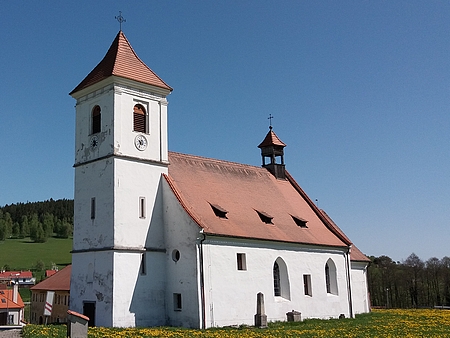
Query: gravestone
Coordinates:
[260,317]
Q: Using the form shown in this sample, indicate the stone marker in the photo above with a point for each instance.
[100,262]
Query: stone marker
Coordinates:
[260,317]
[294,316]
[77,325]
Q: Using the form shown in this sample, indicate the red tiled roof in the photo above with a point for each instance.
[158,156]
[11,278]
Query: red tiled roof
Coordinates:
[15,274]
[60,281]
[6,300]
[241,190]
[122,61]
[271,139]
[49,273]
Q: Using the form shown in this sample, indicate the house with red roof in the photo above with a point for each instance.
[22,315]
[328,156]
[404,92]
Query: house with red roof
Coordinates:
[58,284]
[164,238]
[22,278]
[11,305]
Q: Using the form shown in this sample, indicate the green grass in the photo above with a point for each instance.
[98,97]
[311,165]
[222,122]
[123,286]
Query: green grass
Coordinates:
[22,254]
[379,323]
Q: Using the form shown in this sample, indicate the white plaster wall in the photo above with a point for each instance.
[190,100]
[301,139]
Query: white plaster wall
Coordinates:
[124,101]
[139,298]
[94,180]
[134,180]
[232,300]
[92,281]
[181,234]
[103,97]
[360,295]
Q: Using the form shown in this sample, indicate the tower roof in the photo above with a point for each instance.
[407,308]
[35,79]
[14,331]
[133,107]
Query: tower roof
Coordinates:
[271,139]
[121,60]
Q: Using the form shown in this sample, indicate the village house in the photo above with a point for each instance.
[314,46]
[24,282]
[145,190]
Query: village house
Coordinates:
[59,284]
[11,305]
[164,238]
[22,278]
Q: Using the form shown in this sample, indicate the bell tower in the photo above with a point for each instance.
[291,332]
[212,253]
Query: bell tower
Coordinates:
[272,149]
[121,151]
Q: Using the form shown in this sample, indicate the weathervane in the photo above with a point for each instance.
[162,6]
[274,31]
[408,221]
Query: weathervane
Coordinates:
[120,19]
[270,119]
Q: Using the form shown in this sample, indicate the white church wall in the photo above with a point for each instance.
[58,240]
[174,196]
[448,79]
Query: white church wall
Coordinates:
[104,98]
[93,205]
[139,291]
[125,99]
[360,296]
[133,181]
[232,300]
[182,235]
[92,281]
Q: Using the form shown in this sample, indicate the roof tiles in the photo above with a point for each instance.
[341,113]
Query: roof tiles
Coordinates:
[122,61]
[60,281]
[242,190]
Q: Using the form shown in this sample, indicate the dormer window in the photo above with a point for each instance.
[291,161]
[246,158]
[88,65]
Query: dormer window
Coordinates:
[219,211]
[265,217]
[140,118]
[300,221]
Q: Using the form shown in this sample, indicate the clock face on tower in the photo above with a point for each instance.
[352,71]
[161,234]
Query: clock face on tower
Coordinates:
[94,142]
[140,142]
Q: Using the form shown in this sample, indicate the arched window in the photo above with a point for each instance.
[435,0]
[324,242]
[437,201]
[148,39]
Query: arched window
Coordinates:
[140,118]
[281,286]
[276,280]
[331,277]
[96,119]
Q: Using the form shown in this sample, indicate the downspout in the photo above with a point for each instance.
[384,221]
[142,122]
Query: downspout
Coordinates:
[349,284]
[202,281]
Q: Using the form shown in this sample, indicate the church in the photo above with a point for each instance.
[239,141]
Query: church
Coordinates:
[164,238]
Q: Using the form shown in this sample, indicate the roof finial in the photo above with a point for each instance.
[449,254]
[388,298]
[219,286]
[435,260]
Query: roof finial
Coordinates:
[270,119]
[120,19]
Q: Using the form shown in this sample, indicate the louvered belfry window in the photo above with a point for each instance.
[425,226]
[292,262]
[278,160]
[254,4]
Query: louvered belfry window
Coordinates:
[96,119]
[139,119]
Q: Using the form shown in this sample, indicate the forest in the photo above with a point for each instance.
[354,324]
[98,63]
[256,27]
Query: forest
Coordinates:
[37,220]
[412,283]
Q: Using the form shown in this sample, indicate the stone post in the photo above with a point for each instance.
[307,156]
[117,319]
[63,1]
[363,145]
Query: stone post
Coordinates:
[260,317]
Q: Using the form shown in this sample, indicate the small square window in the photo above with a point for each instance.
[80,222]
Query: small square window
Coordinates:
[307,285]
[241,261]
[177,301]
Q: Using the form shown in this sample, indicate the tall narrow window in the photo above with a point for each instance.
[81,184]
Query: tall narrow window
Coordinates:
[139,118]
[307,285]
[331,277]
[141,207]
[143,264]
[177,301]
[241,261]
[96,119]
[276,280]
[93,208]
[281,285]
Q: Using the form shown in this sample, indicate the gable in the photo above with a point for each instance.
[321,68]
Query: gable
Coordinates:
[246,192]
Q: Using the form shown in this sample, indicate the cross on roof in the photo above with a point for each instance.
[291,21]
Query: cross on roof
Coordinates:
[121,19]
[270,119]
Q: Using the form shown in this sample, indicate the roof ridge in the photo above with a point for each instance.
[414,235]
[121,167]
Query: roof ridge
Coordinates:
[215,160]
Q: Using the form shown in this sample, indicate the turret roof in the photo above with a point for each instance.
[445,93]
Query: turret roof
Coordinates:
[271,139]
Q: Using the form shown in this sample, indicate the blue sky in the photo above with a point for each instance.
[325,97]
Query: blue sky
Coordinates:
[359,91]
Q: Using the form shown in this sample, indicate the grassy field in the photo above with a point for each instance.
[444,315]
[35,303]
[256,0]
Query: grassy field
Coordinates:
[23,254]
[379,323]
